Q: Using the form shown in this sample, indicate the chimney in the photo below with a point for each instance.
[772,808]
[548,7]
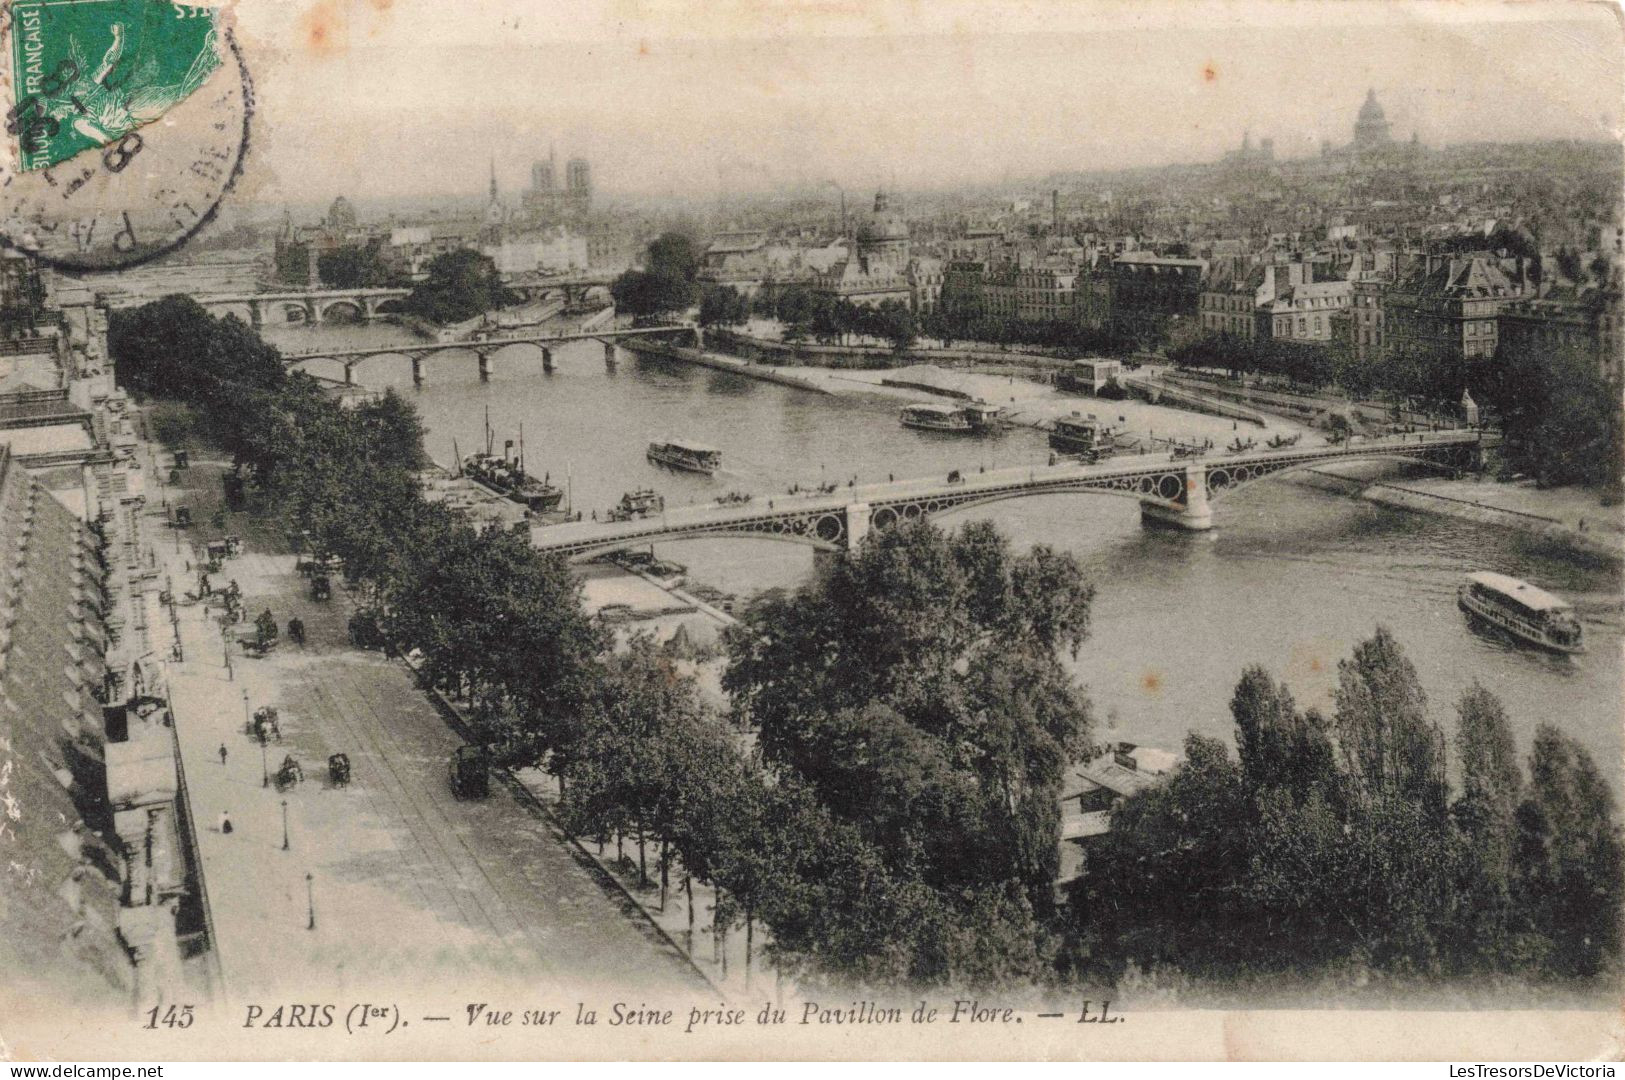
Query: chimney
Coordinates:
[1055,211]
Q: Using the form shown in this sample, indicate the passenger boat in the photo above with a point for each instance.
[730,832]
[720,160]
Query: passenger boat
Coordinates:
[934,417]
[507,476]
[638,503]
[1278,442]
[1083,435]
[1241,445]
[1522,610]
[687,456]
[982,416]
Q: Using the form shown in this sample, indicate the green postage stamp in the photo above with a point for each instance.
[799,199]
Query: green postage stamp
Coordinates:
[87,73]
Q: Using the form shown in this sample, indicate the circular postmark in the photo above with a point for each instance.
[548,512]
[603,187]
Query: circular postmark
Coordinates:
[138,197]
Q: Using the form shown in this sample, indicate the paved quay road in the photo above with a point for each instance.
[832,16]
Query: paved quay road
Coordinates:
[410,888]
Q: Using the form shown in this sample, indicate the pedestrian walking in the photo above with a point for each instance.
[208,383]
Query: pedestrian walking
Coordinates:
[222,755]
[225,822]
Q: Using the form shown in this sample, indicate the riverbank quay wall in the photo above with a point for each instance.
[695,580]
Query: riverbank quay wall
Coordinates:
[873,357]
[1600,545]
[650,347]
[1159,392]
[1302,406]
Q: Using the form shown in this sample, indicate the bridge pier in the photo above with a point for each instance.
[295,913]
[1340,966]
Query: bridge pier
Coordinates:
[547,359]
[1195,516]
[609,354]
[485,367]
[349,374]
[417,371]
[256,314]
[857,524]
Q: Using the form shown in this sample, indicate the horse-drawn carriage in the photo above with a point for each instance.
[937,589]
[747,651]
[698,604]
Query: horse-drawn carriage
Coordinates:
[365,632]
[338,769]
[287,774]
[470,772]
[321,587]
[264,726]
[265,635]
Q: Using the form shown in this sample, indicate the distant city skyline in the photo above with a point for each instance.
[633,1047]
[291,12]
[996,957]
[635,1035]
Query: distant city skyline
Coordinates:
[659,108]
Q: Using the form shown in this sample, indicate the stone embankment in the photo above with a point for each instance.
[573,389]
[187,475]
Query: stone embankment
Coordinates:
[1565,518]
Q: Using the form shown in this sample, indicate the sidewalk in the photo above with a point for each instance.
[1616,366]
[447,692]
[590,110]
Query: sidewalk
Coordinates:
[409,887]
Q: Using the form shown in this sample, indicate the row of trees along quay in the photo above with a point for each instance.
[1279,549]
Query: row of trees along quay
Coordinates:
[1559,415]
[1557,412]
[896,821]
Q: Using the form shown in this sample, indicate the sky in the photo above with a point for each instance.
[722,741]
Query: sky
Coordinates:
[402,98]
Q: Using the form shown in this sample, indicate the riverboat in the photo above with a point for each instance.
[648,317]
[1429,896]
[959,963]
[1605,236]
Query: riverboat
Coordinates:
[1522,610]
[686,456]
[982,416]
[636,504]
[507,476]
[1082,435]
[934,417]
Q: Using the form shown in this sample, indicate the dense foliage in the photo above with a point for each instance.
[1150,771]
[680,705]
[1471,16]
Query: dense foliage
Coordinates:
[1308,365]
[667,282]
[1333,845]
[1064,335]
[1562,420]
[460,285]
[916,690]
[355,267]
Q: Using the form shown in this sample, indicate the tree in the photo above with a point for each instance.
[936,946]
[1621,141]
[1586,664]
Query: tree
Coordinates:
[917,690]
[354,268]
[460,285]
[1390,748]
[174,348]
[392,431]
[1279,746]
[1486,816]
[1569,857]
[1561,418]
[668,281]
[722,305]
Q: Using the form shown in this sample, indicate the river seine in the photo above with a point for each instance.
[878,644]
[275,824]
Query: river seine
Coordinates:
[1292,577]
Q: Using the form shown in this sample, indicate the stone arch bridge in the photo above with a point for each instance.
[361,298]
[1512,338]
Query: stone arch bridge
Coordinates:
[316,306]
[1173,492]
[485,348]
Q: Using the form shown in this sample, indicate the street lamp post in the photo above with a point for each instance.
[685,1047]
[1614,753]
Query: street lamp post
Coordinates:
[284,824]
[310,900]
[265,769]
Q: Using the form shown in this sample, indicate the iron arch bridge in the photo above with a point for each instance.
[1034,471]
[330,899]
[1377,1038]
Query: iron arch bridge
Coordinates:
[1174,492]
[485,348]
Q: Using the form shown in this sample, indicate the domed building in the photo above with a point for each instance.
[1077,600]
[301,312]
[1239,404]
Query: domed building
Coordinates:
[876,268]
[1371,128]
[340,215]
[883,238]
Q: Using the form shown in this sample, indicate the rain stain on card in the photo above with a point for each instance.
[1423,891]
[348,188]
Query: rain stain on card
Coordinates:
[1151,681]
[323,29]
[1210,72]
